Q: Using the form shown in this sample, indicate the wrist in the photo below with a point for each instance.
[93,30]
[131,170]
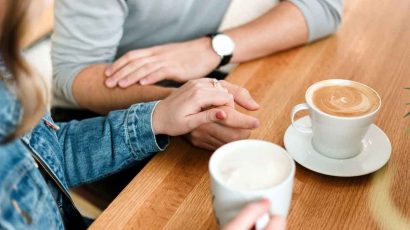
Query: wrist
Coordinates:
[157,124]
[209,53]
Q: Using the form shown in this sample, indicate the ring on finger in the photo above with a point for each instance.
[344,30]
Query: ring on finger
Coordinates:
[216,83]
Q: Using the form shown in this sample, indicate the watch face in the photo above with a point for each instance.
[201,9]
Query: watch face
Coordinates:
[223,45]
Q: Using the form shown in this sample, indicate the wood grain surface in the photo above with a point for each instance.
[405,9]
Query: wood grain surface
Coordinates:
[373,47]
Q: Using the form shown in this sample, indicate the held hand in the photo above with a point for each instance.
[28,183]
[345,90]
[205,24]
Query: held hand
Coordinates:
[178,61]
[247,217]
[236,126]
[183,110]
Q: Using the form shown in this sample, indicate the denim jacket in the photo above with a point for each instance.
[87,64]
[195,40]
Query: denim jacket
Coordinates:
[73,153]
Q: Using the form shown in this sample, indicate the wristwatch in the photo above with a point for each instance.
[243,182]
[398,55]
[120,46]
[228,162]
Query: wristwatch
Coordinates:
[223,45]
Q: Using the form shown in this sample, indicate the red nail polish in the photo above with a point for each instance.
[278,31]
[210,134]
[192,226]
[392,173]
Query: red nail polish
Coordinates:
[220,115]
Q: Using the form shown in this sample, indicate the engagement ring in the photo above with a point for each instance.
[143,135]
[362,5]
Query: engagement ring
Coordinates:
[216,83]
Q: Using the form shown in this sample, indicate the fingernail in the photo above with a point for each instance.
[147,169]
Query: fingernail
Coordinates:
[256,124]
[143,81]
[220,115]
[110,83]
[108,72]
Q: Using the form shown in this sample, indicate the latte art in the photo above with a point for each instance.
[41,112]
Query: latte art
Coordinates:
[345,100]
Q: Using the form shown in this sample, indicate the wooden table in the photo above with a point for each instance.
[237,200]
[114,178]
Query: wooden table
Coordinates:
[373,47]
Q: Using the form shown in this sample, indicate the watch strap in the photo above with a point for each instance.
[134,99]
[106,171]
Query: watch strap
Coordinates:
[225,60]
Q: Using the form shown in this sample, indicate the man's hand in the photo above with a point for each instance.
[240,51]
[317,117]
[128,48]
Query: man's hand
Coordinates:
[178,61]
[236,126]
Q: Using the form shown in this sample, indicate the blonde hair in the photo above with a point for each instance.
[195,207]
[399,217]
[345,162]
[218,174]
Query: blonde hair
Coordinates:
[30,87]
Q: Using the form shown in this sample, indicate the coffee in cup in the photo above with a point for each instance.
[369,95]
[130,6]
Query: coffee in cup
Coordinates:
[341,112]
[250,170]
[247,171]
[351,100]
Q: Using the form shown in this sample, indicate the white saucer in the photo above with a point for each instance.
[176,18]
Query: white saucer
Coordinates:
[376,152]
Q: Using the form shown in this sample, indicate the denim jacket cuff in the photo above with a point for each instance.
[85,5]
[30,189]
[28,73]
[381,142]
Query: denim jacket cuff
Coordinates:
[140,131]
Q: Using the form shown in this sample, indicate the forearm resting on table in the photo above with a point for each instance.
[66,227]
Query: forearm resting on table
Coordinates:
[281,28]
[91,93]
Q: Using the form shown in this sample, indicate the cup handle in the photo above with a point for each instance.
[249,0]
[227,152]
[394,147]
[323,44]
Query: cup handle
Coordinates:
[295,110]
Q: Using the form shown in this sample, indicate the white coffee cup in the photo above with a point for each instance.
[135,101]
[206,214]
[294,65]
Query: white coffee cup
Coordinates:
[335,136]
[227,201]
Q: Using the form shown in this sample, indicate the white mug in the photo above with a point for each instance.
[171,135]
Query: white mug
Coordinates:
[334,136]
[227,202]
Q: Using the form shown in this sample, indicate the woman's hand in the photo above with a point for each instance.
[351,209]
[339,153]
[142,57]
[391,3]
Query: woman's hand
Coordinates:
[236,126]
[246,219]
[178,61]
[192,105]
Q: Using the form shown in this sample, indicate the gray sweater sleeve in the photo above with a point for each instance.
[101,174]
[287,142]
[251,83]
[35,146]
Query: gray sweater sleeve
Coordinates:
[323,17]
[83,35]
[89,32]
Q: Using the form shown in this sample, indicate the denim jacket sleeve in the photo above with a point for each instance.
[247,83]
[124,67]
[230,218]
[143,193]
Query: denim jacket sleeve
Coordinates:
[10,112]
[98,147]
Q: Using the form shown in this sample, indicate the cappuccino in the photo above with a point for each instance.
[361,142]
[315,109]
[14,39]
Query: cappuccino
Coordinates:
[248,169]
[350,100]
[341,112]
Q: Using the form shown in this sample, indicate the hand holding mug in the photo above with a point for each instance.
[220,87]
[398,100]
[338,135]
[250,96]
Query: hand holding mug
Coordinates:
[248,216]
[244,172]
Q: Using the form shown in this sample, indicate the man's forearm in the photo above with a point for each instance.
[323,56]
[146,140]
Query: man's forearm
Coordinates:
[281,28]
[90,92]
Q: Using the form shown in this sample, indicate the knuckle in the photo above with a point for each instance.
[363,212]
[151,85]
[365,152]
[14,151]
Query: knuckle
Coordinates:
[190,124]
[195,142]
[209,115]
[155,50]
[164,72]
[128,56]
[190,82]
[133,64]
[242,91]
[196,95]
[150,77]
[236,137]
[144,68]
[195,135]
[240,135]
[150,65]
[173,71]
[222,82]
[197,90]
[196,85]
